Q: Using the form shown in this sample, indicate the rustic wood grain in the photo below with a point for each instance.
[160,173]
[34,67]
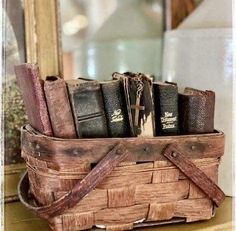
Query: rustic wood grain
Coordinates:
[63,151]
[162,192]
[165,175]
[121,197]
[161,211]
[194,209]
[119,227]
[212,172]
[94,201]
[81,189]
[126,180]
[195,174]
[81,221]
[125,215]
[145,189]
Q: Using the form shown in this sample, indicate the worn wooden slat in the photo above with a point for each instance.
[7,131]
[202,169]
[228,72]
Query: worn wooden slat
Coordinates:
[165,175]
[161,211]
[121,197]
[194,209]
[126,180]
[126,215]
[81,221]
[194,173]
[119,227]
[62,151]
[162,192]
[95,200]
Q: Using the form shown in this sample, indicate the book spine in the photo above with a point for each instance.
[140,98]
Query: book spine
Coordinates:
[31,87]
[88,109]
[166,109]
[59,107]
[197,113]
[115,109]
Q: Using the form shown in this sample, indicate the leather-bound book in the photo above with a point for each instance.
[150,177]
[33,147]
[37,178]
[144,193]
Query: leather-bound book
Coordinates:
[166,108]
[138,90]
[115,108]
[88,108]
[59,107]
[31,87]
[196,111]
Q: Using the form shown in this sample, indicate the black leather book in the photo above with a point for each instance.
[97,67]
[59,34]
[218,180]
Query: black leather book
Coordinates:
[138,91]
[115,108]
[88,109]
[196,110]
[166,108]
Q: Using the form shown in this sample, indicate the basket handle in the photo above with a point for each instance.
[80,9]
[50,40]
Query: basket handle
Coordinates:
[177,157]
[80,190]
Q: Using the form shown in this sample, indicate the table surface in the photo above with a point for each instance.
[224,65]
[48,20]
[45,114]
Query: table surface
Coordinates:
[18,218]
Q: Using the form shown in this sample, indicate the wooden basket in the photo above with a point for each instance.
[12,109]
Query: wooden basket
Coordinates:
[120,184]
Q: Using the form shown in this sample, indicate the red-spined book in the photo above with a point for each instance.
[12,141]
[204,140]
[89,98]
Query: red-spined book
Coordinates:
[59,107]
[31,87]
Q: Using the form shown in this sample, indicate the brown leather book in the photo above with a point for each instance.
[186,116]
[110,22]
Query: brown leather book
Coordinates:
[59,107]
[196,111]
[138,90]
[31,87]
[88,108]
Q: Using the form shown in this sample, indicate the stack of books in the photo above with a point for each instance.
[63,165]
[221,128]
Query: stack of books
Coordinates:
[128,105]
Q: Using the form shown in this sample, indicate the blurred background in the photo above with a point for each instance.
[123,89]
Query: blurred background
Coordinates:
[101,37]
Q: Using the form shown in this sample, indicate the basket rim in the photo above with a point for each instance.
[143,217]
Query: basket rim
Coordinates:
[28,128]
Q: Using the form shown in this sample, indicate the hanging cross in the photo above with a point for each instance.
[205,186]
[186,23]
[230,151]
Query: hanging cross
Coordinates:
[137,107]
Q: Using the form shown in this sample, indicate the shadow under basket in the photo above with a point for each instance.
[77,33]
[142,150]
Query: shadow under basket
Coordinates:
[120,184]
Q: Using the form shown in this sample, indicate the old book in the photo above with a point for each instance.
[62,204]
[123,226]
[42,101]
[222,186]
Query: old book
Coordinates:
[138,90]
[88,109]
[166,108]
[31,87]
[59,107]
[115,108]
[196,111]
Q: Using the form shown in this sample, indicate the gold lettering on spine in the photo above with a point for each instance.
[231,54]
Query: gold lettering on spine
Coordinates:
[117,116]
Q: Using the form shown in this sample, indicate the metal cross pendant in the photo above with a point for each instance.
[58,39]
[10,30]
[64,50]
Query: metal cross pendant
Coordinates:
[137,107]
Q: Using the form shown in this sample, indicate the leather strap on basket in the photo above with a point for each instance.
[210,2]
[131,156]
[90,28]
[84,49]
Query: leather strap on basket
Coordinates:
[177,157]
[80,190]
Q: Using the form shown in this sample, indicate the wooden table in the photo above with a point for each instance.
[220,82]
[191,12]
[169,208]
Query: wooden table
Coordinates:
[18,218]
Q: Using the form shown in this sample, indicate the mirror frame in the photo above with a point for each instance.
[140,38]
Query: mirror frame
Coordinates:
[42,35]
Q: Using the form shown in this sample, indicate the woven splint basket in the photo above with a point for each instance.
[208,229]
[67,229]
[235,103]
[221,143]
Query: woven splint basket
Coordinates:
[119,184]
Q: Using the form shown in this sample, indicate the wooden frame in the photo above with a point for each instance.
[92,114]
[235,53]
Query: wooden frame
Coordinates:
[43,45]
[43,40]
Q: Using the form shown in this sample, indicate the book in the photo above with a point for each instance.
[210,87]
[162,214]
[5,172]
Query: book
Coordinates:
[138,91]
[31,87]
[196,111]
[166,108]
[59,107]
[88,108]
[115,108]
